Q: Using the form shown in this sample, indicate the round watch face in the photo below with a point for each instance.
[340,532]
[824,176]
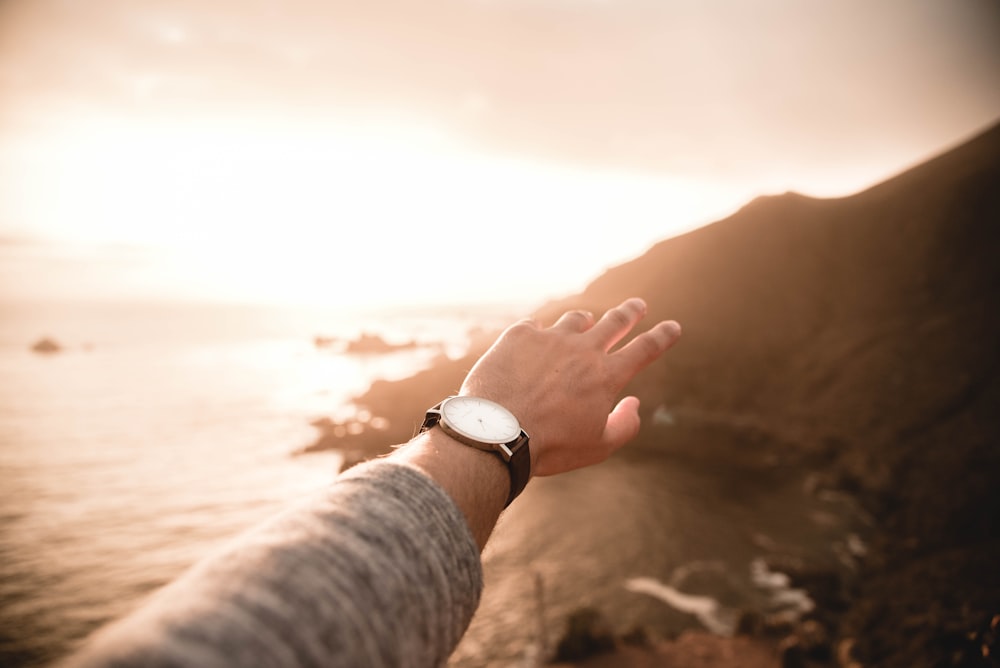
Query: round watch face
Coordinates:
[480,419]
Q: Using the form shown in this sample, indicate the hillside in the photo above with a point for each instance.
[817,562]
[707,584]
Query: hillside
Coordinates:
[862,334]
[858,336]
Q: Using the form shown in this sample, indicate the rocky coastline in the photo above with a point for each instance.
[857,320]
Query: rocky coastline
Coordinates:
[855,338]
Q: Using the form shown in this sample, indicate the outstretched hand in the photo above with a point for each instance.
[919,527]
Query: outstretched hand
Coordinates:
[562,382]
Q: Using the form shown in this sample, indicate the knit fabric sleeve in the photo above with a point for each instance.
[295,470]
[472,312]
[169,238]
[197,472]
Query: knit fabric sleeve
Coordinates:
[380,570]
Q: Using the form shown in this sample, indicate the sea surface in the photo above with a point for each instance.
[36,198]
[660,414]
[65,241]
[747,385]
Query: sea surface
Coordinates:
[161,430]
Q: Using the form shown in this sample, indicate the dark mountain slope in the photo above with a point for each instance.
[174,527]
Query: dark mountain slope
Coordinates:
[861,335]
[862,316]
[857,336]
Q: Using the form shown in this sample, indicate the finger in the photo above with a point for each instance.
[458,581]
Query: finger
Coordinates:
[647,347]
[575,321]
[623,424]
[525,323]
[525,327]
[618,322]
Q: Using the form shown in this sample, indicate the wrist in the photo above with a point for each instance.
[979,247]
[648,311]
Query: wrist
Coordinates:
[477,480]
[435,448]
[485,425]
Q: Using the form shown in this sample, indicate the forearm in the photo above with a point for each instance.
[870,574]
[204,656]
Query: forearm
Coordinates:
[477,481]
[380,570]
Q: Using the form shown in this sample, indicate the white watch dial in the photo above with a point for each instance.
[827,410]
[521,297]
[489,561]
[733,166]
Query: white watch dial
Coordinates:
[480,419]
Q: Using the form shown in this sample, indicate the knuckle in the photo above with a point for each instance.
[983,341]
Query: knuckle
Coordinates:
[521,328]
[650,344]
[647,349]
[575,318]
[619,317]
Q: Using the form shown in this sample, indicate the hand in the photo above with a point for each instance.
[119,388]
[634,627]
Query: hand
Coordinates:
[561,382]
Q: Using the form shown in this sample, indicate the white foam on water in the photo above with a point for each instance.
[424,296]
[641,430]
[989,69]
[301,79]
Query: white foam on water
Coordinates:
[765,578]
[713,616]
[780,597]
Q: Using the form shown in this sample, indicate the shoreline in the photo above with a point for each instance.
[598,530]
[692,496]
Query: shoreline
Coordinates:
[759,641]
[854,622]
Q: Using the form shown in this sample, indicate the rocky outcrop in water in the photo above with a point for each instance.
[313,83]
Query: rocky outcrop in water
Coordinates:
[46,346]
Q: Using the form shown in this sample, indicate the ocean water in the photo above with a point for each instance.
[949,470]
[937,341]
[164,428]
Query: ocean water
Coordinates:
[160,431]
[163,430]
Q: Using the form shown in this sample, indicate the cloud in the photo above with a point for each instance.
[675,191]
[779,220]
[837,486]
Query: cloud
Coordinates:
[717,88]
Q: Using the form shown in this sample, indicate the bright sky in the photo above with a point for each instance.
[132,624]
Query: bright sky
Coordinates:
[392,151]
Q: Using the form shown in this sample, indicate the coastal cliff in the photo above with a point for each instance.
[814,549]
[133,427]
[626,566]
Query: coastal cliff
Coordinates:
[856,337]
[859,336]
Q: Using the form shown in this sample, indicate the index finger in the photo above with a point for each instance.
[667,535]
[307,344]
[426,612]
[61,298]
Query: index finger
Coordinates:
[617,322]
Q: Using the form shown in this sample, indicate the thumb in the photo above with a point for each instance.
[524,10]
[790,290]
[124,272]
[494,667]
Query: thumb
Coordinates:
[623,424]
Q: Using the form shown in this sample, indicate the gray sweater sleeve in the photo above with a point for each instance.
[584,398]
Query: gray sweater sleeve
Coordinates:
[381,570]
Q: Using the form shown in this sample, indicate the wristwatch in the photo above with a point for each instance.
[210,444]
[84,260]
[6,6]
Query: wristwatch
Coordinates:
[486,425]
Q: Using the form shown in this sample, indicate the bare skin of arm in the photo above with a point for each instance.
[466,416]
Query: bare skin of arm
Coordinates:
[562,383]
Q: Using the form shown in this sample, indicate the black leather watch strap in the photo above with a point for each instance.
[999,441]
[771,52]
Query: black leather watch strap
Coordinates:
[520,468]
[516,454]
